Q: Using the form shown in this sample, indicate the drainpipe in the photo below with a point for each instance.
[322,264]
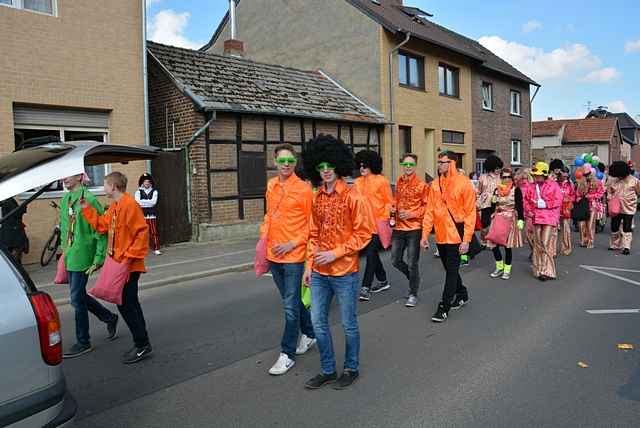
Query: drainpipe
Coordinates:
[187,146]
[531,125]
[392,105]
[144,77]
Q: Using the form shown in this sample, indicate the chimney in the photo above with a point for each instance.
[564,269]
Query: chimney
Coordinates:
[233,46]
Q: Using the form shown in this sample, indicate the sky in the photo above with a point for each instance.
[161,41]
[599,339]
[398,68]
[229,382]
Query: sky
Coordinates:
[583,53]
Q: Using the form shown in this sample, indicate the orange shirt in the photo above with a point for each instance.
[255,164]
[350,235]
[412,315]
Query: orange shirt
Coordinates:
[377,192]
[129,238]
[411,195]
[287,218]
[341,221]
[450,196]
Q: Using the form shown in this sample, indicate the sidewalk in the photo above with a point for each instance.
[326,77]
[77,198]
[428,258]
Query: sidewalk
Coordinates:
[178,263]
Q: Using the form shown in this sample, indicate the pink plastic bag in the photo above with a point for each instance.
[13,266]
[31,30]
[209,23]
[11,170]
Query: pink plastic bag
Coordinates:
[111,281]
[500,229]
[260,263]
[615,207]
[384,233]
[62,276]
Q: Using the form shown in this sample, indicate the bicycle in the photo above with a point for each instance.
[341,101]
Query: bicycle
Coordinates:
[53,243]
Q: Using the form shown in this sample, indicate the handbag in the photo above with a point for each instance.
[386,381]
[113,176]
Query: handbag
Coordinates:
[615,207]
[62,275]
[384,233]
[478,221]
[261,264]
[500,229]
[580,210]
[111,281]
[565,211]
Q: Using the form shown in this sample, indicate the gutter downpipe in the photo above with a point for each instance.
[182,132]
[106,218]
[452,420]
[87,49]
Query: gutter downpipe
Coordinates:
[144,78]
[531,125]
[392,105]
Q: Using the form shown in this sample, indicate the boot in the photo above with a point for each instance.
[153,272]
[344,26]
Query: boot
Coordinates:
[507,272]
[499,270]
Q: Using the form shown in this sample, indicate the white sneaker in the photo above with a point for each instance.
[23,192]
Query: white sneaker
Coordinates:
[282,366]
[304,344]
[157,253]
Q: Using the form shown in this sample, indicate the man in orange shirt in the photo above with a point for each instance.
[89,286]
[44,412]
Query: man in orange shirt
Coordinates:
[377,192]
[451,210]
[127,242]
[411,197]
[341,226]
[286,228]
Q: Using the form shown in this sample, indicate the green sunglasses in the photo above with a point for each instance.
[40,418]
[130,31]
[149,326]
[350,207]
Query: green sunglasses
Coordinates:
[286,160]
[325,166]
[408,164]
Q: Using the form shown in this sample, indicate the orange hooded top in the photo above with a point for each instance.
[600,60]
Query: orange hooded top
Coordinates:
[377,191]
[287,218]
[127,229]
[342,222]
[450,196]
[411,195]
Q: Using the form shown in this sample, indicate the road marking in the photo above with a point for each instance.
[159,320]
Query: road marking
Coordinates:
[601,270]
[613,311]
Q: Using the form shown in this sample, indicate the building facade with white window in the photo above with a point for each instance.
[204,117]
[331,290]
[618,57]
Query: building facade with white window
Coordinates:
[70,71]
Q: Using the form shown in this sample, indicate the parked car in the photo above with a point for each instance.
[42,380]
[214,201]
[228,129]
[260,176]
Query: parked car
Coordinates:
[33,391]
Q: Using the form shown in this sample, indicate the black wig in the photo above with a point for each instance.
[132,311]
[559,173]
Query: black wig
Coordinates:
[369,159]
[144,177]
[556,164]
[602,167]
[326,148]
[492,163]
[619,169]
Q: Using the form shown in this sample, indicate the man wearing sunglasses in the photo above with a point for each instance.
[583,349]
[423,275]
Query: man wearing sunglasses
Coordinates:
[411,197]
[451,211]
[286,226]
[341,225]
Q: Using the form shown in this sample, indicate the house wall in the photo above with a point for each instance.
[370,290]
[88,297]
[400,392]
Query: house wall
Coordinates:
[309,34]
[495,129]
[89,56]
[548,141]
[569,152]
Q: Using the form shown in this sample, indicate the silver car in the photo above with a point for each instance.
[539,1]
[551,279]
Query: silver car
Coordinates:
[33,392]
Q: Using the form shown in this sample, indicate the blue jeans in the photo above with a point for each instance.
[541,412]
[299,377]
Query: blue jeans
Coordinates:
[83,304]
[346,290]
[288,279]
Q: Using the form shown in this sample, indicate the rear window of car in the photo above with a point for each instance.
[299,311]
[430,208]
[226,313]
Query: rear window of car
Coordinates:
[23,160]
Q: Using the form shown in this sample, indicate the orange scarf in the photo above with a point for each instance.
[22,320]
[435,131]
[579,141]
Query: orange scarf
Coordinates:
[505,189]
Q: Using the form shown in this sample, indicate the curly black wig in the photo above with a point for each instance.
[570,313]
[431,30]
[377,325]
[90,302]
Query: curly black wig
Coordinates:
[602,167]
[369,159]
[146,176]
[326,148]
[619,169]
[492,163]
[556,164]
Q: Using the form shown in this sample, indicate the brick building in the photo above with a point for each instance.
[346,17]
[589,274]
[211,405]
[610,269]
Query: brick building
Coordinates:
[225,114]
[71,70]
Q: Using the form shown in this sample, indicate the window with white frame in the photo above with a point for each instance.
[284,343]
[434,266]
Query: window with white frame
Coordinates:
[48,7]
[487,96]
[515,152]
[515,103]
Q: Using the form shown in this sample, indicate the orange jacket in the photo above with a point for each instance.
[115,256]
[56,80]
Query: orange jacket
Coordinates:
[452,195]
[377,191]
[129,239]
[287,218]
[341,221]
[411,195]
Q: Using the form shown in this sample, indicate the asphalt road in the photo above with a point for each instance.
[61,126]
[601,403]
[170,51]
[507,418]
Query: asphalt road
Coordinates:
[508,359]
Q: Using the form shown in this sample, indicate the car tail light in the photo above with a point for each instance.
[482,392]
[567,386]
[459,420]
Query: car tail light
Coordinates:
[48,327]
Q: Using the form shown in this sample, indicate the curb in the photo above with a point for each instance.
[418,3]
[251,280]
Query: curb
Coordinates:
[243,267]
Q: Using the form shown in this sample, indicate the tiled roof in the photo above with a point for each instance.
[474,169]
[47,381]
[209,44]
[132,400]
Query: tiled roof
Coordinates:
[224,83]
[578,130]
[624,119]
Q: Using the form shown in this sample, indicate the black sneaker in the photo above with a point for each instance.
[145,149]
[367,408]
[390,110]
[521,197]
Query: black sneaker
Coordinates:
[459,301]
[626,252]
[77,350]
[440,315]
[365,294]
[112,329]
[136,354]
[321,380]
[380,286]
[347,379]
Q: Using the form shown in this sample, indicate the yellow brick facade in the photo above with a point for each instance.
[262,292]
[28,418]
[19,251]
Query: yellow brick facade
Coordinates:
[89,56]
[426,111]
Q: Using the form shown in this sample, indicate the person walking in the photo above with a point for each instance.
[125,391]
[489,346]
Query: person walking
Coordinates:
[127,242]
[147,197]
[568,197]
[508,201]
[410,200]
[622,195]
[286,230]
[341,225]
[592,189]
[375,188]
[83,252]
[451,211]
[486,188]
[13,237]
[543,200]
